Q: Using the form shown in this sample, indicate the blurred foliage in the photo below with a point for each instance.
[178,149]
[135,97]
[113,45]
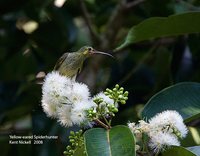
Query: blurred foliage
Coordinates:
[35,33]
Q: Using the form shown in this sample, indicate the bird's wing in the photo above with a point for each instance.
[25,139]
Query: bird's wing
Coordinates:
[60,61]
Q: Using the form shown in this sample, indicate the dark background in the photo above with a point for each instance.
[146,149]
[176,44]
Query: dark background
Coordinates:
[143,68]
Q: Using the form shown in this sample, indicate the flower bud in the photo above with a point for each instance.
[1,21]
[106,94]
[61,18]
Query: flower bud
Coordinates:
[120,96]
[72,133]
[115,110]
[100,100]
[120,92]
[106,93]
[126,93]
[110,96]
[121,89]
[125,98]
[117,86]
[71,140]
[68,147]
[107,89]
[123,102]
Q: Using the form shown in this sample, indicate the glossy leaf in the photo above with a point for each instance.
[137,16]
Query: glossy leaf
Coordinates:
[117,141]
[192,138]
[195,150]
[183,97]
[80,152]
[155,27]
[178,151]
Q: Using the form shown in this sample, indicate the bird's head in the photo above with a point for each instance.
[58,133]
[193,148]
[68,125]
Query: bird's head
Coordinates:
[88,51]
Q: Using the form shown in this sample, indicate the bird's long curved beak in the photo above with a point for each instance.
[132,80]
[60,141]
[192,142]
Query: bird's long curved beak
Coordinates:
[103,53]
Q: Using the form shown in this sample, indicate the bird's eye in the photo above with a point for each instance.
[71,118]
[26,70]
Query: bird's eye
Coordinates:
[89,48]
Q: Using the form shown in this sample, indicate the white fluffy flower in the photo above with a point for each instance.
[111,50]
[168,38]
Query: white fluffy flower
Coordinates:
[160,141]
[132,126]
[78,112]
[168,121]
[64,115]
[50,109]
[135,130]
[104,97]
[139,129]
[79,92]
[163,130]
[75,114]
[56,89]
[65,99]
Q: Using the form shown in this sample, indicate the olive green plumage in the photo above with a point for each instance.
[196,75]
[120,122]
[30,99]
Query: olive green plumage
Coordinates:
[71,63]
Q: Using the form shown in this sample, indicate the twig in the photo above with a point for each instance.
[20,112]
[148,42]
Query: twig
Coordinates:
[162,41]
[113,24]
[115,21]
[106,120]
[102,124]
[145,57]
[133,3]
[88,21]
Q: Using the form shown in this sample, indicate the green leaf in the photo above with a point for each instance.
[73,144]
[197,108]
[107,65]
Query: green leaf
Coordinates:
[192,138]
[117,141]
[182,97]
[194,149]
[155,27]
[177,151]
[79,152]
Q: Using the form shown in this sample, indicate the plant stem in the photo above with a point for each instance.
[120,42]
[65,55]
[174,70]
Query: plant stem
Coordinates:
[133,3]
[141,62]
[146,149]
[88,21]
[106,120]
[102,124]
[156,154]
[110,121]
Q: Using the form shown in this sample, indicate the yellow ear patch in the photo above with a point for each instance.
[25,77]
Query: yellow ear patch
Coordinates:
[85,52]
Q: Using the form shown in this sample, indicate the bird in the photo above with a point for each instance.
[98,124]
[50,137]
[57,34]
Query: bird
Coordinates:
[70,63]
